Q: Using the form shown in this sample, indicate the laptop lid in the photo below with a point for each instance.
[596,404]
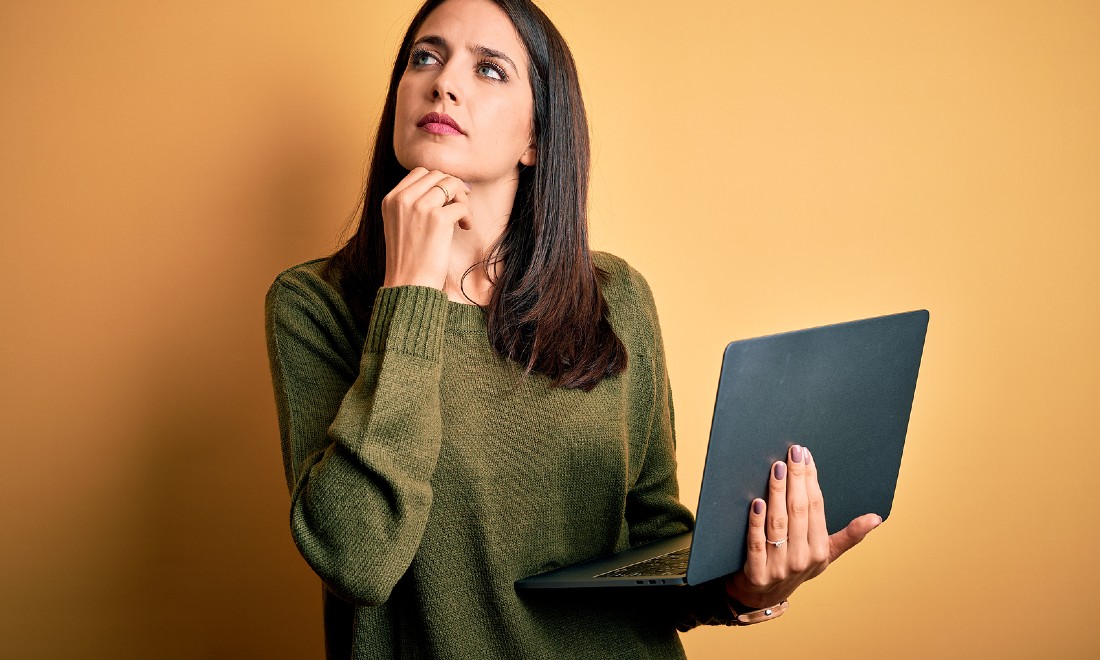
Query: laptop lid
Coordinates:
[845,391]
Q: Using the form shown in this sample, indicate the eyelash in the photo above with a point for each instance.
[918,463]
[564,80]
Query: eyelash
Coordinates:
[417,54]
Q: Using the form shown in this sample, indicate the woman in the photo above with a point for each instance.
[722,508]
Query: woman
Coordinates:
[468,396]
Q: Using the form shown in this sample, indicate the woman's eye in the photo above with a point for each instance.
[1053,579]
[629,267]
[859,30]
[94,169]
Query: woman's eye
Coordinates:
[491,71]
[423,58]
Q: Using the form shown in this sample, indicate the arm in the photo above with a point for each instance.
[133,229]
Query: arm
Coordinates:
[360,444]
[653,508]
[359,448]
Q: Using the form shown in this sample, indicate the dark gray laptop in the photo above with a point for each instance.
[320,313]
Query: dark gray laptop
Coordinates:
[845,391]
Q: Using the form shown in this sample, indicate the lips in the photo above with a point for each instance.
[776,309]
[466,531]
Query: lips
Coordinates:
[438,123]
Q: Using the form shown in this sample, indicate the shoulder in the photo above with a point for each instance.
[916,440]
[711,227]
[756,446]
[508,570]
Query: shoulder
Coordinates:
[305,283]
[619,279]
[300,278]
[305,297]
[631,308]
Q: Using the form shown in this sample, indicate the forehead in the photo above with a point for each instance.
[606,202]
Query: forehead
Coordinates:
[470,23]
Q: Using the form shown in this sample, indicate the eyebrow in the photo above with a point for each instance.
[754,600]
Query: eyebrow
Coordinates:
[477,49]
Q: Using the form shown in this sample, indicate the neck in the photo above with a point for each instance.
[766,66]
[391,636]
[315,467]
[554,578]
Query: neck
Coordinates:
[490,207]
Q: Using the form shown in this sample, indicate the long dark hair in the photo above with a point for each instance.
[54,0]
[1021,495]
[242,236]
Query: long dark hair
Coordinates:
[546,311]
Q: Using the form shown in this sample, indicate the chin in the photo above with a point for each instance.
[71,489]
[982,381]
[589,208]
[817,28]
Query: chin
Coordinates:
[434,159]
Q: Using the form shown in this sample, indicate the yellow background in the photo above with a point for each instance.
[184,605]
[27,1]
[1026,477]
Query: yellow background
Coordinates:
[767,165]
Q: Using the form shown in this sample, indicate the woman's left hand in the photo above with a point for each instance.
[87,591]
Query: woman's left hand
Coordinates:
[788,542]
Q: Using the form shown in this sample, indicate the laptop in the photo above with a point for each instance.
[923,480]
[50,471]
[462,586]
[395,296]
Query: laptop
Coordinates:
[845,391]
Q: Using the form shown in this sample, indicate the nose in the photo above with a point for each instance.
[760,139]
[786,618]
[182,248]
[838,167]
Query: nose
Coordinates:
[446,88]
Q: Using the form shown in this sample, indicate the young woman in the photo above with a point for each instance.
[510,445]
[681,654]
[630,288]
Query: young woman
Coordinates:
[467,395]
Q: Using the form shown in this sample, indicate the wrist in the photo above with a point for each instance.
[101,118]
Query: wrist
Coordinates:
[749,608]
[747,617]
[750,599]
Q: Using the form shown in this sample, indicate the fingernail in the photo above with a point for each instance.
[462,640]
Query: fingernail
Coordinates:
[468,188]
[780,470]
[878,521]
[808,457]
[758,507]
[796,454]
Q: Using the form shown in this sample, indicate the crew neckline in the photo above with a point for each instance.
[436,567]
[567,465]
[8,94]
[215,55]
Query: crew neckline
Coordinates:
[465,317]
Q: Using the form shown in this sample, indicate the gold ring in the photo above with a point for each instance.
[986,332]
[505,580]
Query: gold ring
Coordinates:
[446,192]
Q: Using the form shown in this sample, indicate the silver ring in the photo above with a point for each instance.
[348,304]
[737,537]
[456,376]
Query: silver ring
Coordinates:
[776,543]
[446,192]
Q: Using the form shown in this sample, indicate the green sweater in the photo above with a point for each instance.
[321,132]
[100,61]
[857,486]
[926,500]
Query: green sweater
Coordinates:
[427,475]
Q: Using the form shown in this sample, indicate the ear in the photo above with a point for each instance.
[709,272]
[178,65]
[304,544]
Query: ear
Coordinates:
[528,157]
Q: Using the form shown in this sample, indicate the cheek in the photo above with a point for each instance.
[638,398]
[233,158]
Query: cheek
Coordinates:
[400,110]
[516,123]
[402,93]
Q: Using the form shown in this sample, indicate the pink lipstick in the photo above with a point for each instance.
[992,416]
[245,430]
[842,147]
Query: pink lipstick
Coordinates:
[438,123]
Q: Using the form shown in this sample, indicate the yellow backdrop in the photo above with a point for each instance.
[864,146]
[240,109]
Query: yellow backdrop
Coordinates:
[767,165]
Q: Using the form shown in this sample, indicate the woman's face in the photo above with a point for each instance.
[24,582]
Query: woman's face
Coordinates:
[469,66]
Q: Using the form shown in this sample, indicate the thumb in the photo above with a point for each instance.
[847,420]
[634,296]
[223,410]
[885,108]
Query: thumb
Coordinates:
[845,539]
[463,199]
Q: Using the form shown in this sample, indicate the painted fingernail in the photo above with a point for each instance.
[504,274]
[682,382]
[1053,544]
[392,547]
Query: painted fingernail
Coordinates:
[779,470]
[796,454]
[758,507]
[808,457]
[468,188]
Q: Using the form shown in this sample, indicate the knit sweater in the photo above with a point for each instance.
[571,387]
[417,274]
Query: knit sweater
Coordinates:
[427,474]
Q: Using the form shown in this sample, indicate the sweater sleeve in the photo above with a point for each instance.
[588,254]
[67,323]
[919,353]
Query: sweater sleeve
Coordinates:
[653,509]
[359,447]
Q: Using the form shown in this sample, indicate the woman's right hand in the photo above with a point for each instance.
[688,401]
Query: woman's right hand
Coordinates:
[419,217]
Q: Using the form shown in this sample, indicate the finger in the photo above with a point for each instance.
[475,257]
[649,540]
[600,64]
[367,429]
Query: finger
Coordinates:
[462,201]
[451,187]
[456,215]
[817,534]
[798,551]
[435,188]
[412,177]
[776,518]
[856,531]
[427,189]
[756,559]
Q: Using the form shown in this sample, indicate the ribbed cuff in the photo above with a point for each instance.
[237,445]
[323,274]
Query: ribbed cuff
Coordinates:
[707,605]
[408,319]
